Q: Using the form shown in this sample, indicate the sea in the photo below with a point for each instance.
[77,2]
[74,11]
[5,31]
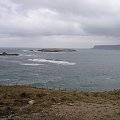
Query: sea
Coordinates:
[88,70]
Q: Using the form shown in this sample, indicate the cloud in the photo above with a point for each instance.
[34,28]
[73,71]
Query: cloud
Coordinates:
[65,17]
[37,18]
[33,22]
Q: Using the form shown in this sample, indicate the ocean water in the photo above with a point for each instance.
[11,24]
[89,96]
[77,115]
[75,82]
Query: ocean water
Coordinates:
[84,70]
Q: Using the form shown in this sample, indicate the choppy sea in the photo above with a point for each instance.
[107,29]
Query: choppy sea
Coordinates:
[84,70]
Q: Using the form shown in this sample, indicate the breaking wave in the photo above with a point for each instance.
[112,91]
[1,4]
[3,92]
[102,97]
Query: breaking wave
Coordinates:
[28,64]
[27,55]
[59,62]
[24,50]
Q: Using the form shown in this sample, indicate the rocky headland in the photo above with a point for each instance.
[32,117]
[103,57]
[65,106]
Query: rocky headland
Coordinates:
[107,47]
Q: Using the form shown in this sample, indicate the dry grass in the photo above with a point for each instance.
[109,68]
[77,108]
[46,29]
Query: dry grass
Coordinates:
[100,105]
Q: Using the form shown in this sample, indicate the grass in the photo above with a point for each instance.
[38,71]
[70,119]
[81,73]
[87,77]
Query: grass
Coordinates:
[14,99]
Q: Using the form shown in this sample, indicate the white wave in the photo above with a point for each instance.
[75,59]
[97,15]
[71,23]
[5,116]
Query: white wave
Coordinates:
[35,51]
[28,64]
[21,55]
[24,50]
[30,55]
[52,61]
[28,50]
[27,55]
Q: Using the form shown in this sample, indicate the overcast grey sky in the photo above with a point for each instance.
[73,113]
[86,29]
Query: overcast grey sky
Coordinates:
[59,23]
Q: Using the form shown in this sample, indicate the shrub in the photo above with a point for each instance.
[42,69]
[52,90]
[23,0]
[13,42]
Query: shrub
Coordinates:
[24,95]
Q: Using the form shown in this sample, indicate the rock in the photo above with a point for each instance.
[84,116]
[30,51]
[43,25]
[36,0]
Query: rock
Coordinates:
[31,102]
[11,117]
[7,54]
[31,50]
[70,104]
[4,53]
[56,50]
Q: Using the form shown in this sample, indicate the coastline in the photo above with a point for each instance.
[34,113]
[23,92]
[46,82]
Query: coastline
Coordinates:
[25,102]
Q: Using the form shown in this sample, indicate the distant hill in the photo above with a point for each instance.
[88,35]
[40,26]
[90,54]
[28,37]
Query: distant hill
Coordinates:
[107,47]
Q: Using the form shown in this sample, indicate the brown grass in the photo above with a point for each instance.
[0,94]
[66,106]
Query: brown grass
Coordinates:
[58,104]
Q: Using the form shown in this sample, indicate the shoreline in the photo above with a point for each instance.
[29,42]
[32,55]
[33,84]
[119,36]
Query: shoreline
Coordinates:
[47,87]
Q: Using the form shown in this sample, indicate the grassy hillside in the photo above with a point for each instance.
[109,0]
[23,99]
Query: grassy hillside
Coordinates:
[22,103]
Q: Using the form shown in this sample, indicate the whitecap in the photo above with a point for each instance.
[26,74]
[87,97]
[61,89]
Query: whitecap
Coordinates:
[24,50]
[30,55]
[21,54]
[29,64]
[27,55]
[60,62]
[35,51]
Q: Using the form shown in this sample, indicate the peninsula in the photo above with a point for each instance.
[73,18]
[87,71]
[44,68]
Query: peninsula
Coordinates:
[56,50]
[107,47]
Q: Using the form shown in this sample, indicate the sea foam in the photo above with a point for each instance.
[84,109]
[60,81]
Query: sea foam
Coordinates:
[24,50]
[29,55]
[28,64]
[59,62]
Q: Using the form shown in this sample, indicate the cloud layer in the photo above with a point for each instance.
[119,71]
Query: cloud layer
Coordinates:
[38,18]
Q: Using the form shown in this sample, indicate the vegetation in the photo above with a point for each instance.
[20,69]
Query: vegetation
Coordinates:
[15,100]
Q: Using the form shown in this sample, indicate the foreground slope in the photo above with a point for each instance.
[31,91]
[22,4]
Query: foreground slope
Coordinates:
[27,103]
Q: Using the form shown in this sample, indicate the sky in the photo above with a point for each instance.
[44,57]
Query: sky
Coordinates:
[59,23]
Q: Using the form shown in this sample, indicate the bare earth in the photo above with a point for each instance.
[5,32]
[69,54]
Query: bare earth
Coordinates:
[78,111]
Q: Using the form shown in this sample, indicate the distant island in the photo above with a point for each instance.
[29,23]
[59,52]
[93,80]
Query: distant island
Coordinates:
[56,50]
[107,47]
[8,54]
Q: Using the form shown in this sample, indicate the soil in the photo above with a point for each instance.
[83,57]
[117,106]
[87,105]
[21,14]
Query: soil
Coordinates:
[77,111]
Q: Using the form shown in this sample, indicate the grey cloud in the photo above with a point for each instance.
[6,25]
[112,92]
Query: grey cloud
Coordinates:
[42,21]
[64,17]
[86,7]
[36,18]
